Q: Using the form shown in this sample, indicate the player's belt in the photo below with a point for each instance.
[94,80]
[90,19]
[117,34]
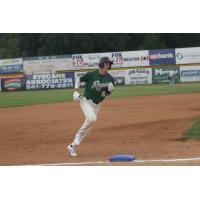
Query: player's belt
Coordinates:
[96,102]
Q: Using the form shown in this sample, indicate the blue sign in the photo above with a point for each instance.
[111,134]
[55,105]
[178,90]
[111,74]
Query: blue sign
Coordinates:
[190,73]
[50,81]
[10,69]
[162,57]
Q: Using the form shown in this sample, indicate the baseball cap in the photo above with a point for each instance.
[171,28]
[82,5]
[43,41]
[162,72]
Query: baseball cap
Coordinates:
[106,60]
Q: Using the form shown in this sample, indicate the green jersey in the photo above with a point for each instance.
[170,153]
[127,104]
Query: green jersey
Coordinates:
[95,84]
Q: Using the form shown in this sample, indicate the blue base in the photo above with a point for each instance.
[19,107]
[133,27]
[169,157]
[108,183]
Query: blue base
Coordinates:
[122,158]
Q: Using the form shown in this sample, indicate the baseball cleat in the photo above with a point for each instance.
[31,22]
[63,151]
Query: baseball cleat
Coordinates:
[72,150]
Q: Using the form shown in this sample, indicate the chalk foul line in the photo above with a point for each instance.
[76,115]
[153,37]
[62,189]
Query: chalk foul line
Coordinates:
[106,162]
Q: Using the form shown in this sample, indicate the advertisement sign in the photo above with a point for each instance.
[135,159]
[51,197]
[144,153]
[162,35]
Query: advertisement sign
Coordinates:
[11,66]
[47,64]
[12,83]
[11,69]
[138,76]
[119,76]
[88,61]
[50,81]
[160,75]
[188,55]
[120,59]
[7,62]
[117,58]
[190,73]
[135,58]
[162,57]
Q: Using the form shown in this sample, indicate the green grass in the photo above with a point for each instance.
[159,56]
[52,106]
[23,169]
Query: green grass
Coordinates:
[194,131]
[156,89]
[23,98]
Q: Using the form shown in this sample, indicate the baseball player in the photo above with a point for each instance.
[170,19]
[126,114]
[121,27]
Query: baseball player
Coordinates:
[98,84]
[171,77]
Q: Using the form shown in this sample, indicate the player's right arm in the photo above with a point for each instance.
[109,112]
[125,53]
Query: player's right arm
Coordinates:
[77,95]
[83,78]
[77,85]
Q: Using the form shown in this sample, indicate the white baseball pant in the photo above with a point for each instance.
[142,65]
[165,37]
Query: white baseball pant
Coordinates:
[90,110]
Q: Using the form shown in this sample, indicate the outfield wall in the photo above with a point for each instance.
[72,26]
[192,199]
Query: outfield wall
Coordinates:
[129,68]
[135,76]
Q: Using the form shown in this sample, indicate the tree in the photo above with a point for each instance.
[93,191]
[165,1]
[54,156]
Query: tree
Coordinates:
[29,43]
[9,46]
[152,41]
[45,44]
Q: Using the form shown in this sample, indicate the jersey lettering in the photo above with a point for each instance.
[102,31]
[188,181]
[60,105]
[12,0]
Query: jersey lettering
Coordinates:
[98,86]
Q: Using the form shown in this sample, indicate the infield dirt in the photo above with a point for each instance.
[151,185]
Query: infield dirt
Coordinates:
[149,127]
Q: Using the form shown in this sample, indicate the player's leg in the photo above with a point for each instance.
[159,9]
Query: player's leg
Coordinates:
[90,111]
[170,80]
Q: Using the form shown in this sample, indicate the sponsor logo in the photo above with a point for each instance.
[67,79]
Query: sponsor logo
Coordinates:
[117,58]
[160,72]
[135,59]
[139,71]
[77,60]
[179,56]
[44,81]
[77,57]
[190,73]
[157,56]
[162,57]
[11,61]
[116,55]
[48,76]
[94,57]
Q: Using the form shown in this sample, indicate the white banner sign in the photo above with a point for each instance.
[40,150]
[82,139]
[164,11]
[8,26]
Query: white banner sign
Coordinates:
[120,59]
[135,58]
[8,62]
[190,73]
[138,76]
[47,65]
[188,55]
[87,61]
[118,75]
